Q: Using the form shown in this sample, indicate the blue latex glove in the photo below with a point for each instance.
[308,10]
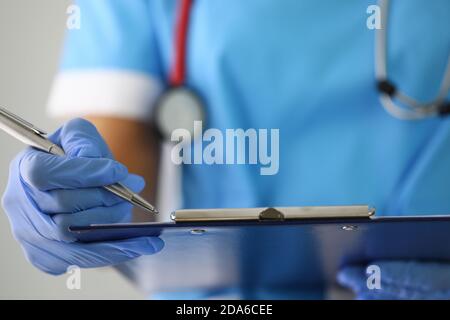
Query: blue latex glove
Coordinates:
[400,280]
[46,193]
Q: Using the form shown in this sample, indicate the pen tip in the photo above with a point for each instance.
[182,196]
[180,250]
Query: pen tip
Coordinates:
[144,204]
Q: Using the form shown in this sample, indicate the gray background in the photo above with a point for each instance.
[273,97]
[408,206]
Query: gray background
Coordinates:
[31,33]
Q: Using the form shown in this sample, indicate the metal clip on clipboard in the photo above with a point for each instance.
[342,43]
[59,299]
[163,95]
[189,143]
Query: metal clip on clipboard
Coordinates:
[271,213]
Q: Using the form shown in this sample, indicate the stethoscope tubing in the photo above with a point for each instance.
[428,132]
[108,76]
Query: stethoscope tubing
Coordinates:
[413,110]
[410,108]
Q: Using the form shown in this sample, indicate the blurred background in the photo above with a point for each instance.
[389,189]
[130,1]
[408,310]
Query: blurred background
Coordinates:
[31,35]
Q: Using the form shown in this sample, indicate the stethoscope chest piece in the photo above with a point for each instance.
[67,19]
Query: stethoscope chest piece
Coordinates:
[178,108]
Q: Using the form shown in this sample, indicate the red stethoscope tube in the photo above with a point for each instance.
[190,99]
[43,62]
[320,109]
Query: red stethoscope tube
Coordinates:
[179,106]
[178,72]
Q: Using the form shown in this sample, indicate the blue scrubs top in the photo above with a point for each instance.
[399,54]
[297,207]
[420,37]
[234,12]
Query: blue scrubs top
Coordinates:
[306,68]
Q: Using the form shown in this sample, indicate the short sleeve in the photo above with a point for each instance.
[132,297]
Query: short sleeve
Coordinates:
[111,64]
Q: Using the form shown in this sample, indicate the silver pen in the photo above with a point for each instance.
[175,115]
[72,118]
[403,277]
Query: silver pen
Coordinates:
[32,136]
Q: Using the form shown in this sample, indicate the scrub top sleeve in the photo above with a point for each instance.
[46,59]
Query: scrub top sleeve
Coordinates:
[110,65]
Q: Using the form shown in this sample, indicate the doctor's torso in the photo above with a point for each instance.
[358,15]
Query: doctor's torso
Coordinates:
[307,69]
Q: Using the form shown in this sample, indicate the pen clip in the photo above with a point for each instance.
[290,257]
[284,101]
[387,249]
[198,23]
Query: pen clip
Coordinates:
[21,121]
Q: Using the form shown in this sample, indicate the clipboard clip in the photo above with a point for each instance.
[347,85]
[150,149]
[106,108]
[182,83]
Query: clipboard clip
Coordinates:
[271,214]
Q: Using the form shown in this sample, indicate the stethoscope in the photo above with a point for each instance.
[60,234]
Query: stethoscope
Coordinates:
[411,109]
[179,106]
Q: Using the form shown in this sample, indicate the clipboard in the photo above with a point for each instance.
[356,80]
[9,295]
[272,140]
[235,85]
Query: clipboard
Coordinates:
[258,247]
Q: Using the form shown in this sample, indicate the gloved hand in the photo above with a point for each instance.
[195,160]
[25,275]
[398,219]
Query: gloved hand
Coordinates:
[46,193]
[400,280]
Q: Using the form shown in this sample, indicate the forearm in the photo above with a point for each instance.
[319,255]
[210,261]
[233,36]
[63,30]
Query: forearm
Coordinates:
[134,144]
